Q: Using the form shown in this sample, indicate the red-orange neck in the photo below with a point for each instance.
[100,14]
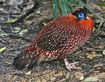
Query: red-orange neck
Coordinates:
[88,24]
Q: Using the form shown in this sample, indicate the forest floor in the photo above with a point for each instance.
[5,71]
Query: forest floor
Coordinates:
[16,37]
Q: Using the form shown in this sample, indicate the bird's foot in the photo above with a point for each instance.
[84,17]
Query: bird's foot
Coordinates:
[70,66]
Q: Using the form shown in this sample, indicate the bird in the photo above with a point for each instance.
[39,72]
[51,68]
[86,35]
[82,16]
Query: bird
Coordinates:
[57,40]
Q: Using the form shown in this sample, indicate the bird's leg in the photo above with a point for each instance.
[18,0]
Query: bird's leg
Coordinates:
[70,66]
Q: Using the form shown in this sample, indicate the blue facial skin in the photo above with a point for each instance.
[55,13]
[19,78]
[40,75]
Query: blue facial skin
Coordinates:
[81,16]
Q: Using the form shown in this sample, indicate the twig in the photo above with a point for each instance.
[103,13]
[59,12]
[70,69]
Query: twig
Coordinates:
[97,31]
[36,5]
[3,13]
[16,36]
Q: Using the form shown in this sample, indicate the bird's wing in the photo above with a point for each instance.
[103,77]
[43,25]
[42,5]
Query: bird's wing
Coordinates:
[53,35]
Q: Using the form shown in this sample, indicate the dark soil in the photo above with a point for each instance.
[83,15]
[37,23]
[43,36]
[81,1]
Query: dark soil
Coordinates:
[90,57]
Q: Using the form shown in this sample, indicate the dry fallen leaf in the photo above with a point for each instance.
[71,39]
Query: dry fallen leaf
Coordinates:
[103,52]
[91,79]
[28,73]
[81,78]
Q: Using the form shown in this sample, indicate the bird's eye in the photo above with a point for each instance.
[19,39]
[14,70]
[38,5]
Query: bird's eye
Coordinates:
[81,15]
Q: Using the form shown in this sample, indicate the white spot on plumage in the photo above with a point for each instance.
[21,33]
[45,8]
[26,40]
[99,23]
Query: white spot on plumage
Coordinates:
[49,56]
[47,53]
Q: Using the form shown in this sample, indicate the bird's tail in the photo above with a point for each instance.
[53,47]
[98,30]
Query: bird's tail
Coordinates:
[25,59]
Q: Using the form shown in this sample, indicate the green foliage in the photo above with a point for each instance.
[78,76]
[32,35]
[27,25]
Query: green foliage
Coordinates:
[2,49]
[10,21]
[66,7]
[55,8]
[20,31]
[101,4]
[4,35]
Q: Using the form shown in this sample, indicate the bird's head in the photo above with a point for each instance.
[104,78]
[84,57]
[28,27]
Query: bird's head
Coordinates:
[81,14]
